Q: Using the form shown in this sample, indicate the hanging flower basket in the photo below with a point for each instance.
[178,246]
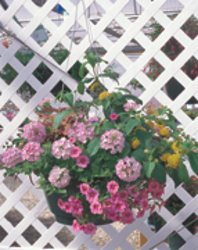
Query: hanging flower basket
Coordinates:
[102,168]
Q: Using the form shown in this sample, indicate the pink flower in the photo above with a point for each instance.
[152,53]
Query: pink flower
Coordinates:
[46,101]
[112,187]
[90,228]
[144,204]
[84,188]
[132,191]
[96,207]
[130,106]
[124,195]
[92,195]
[11,157]
[128,169]
[31,151]
[61,204]
[67,207]
[77,207]
[114,140]
[114,116]
[75,152]
[76,226]
[127,217]
[140,213]
[34,131]
[82,161]
[112,215]
[107,203]
[153,186]
[119,206]
[72,139]
[62,148]
[59,177]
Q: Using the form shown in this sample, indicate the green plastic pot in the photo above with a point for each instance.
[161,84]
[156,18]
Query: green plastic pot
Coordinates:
[60,216]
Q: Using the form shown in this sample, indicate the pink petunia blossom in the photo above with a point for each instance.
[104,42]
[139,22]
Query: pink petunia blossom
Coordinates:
[112,215]
[82,161]
[112,187]
[144,204]
[46,101]
[72,139]
[140,213]
[75,152]
[114,116]
[96,207]
[76,226]
[84,188]
[127,217]
[90,228]
[119,206]
[92,195]
[61,204]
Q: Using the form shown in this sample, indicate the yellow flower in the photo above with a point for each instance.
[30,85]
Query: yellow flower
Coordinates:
[165,132]
[173,161]
[135,143]
[165,156]
[150,124]
[94,85]
[104,95]
[176,146]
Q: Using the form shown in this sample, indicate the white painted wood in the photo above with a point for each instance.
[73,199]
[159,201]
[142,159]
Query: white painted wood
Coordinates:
[132,30]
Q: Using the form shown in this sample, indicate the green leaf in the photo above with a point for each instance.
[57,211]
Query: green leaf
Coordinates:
[93,146]
[105,103]
[131,124]
[117,95]
[144,137]
[193,159]
[139,155]
[183,173]
[82,69]
[59,117]
[170,123]
[92,59]
[88,80]
[148,168]
[159,173]
[69,99]
[123,89]
[126,151]
[107,126]
[174,175]
[134,98]
[81,87]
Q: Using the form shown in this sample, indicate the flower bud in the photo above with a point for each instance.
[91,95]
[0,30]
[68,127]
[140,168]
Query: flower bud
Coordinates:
[146,151]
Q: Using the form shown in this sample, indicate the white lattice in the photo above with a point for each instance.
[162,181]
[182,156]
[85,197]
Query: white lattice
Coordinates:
[15,199]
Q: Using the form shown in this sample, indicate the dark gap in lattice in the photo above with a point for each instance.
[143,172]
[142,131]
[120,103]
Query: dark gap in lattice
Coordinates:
[47,218]
[156,222]
[8,73]
[76,33]
[65,236]
[3,233]
[175,241]
[48,246]
[191,223]
[40,35]
[190,27]
[59,87]
[59,53]
[153,69]
[173,88]
[24,55]
[15,244]
[190,68]
[42,73]
[9,110]
[172,48]
[174,204]
[31,235]
[26,92]
[12,183]
[14,217]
